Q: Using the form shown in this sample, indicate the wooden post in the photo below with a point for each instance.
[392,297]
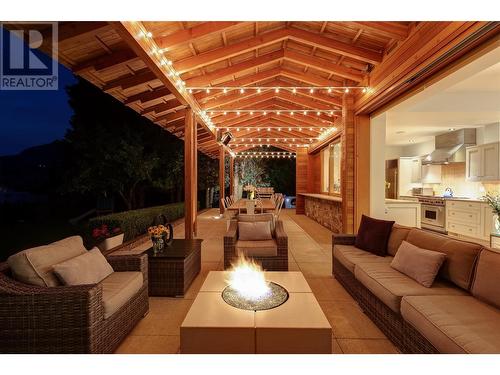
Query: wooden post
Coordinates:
[190,174]
[362,170]
[348,163]
[222,178]
[301,174]
[231,175]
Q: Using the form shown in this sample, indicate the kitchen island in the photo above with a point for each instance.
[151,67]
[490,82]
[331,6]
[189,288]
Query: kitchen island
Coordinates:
[324,209]
[403,212]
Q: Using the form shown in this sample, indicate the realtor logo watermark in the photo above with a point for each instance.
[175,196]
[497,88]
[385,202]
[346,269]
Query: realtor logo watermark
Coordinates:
[22,65]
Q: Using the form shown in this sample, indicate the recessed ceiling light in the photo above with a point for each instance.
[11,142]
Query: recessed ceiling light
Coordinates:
[400,132]
[451,129]
[411,141]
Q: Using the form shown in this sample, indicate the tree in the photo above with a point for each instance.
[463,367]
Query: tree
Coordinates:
[115,150]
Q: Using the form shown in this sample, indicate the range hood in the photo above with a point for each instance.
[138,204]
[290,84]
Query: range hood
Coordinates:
[450,147]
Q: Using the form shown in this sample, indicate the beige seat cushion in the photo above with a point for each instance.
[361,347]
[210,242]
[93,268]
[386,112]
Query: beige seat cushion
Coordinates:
[267,248]
[255,231]
[88,268]
[454,324]
[487,278]
[390,285]
[349,256]
[34,266]
[118,288]
[461,256]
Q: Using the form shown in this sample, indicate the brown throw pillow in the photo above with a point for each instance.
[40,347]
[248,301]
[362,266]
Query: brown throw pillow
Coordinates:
[420,264]
[254,231]
[89,268]
[373,235]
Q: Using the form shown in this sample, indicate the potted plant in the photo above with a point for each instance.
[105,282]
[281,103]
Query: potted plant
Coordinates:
[107,236]
[494,202]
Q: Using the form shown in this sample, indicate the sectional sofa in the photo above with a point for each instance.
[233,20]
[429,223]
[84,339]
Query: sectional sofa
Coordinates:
[460,313]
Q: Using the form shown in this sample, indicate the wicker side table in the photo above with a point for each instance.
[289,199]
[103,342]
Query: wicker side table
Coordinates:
[172,271]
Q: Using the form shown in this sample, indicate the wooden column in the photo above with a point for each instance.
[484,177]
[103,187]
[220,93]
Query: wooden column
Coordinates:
[348,163]
[222,177]
[190,174]
[362,170]
[231,175]
[301,178]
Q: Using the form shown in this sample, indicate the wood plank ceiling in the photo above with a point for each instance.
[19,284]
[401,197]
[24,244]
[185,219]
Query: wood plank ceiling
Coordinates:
[237,55]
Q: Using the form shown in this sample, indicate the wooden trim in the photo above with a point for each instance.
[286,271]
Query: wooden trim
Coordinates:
[231,175]
[362,168]
[348,164]
[222,178]
[190,175]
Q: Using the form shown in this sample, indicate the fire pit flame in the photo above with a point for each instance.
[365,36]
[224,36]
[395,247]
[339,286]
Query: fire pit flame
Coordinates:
[247,278]
[248,288]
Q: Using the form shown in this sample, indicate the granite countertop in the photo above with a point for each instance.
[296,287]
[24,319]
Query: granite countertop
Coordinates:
[322,196]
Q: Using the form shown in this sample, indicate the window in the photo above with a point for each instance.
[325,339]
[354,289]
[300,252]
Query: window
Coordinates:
[330,168]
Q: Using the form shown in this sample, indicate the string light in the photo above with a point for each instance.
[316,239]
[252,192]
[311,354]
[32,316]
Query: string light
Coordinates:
[224,91]
[293,89]
[242,91]
[346,90]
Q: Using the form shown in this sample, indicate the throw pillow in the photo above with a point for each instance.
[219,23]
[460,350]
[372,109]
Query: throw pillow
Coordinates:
[89,268]
[254,231]
[373,235]
[420,264]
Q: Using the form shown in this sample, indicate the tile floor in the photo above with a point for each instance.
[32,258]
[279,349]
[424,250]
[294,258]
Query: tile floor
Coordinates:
[310,252]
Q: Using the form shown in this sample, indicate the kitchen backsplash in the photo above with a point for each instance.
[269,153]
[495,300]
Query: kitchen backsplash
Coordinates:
[453,176]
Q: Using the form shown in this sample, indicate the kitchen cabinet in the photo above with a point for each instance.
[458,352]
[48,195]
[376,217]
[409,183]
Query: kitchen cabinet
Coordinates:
[482,162]
[431,174]
[403,212]
[471,219]
[416,170]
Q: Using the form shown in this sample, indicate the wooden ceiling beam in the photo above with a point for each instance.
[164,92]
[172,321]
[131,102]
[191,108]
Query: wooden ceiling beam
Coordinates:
[140,77]
[149,96]
[324,65]
[192,34]
[171,117]
[106,61]
[391,30]
[331,45]
[307,78]
[162,107]
[229,51]
[250,80]
[68,31]
[207,79]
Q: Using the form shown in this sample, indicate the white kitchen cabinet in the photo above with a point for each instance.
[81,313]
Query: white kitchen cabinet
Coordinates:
[471,219]
[416,170]
[482,162]
[403,212]
[431,174]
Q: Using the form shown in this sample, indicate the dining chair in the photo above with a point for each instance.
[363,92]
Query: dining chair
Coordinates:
[279,205]
[228,201]
[259,204]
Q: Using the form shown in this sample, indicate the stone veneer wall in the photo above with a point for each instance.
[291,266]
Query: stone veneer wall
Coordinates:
[327,213]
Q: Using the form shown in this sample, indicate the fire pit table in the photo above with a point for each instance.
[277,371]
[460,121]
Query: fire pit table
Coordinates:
[295,325]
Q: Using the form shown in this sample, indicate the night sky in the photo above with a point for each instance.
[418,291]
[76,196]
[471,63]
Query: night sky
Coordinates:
[30,118]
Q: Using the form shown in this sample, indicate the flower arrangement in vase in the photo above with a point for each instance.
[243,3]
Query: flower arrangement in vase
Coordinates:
[494,202]
[107,236]
[250,189]
[159,234]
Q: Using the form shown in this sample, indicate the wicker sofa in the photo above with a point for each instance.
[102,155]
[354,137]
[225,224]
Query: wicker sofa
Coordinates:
[271,254]
[73,319]
[460,313]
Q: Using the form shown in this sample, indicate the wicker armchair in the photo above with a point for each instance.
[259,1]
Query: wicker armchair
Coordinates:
[67,319]
[269,263]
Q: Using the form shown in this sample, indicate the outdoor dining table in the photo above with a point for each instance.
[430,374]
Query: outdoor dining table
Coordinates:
[240,205]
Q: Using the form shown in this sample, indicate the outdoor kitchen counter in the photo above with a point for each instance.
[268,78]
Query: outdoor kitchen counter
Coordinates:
[324,209]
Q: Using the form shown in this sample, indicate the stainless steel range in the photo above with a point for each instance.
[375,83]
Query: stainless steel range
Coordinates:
[433,213]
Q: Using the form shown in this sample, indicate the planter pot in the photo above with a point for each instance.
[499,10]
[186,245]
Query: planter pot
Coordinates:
[111,242]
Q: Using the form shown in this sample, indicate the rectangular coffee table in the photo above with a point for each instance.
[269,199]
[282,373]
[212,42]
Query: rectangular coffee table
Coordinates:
[171,272]
[297,326]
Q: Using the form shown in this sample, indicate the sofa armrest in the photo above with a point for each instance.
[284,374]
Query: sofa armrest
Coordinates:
[281,236]
[343,239]
[122,263]
[231,235]
[29,306]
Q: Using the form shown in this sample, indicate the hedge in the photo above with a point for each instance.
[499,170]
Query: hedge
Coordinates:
[136,222]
